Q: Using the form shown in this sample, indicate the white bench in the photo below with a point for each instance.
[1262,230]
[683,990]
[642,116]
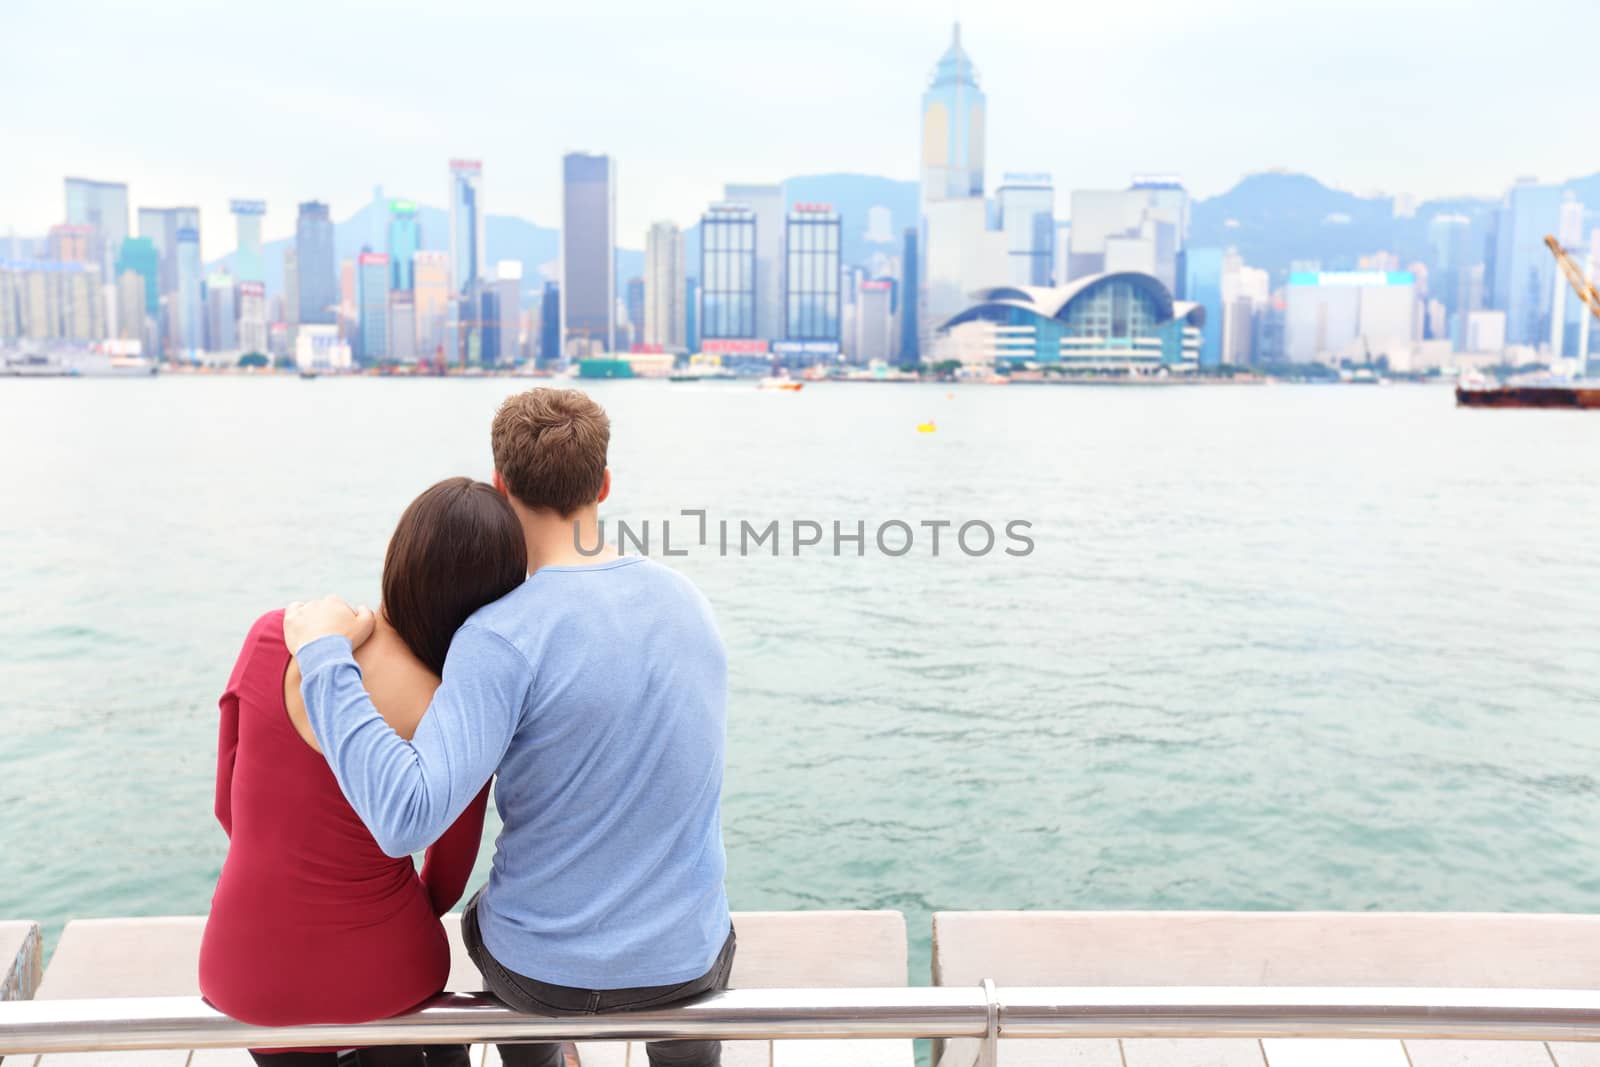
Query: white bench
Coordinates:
[1269,949]
[160,957]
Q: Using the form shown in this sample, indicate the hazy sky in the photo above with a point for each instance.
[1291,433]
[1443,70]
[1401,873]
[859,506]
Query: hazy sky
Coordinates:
[196,102]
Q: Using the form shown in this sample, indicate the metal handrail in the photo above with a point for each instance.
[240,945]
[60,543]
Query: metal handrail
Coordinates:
[987,1013]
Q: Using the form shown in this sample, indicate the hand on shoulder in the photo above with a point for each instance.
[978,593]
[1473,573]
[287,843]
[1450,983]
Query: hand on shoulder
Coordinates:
[305,621]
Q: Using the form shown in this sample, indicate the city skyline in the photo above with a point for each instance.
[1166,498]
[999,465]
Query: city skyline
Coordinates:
[1393,101]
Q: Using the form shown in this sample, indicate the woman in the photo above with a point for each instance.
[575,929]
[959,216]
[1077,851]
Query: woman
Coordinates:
[311,922]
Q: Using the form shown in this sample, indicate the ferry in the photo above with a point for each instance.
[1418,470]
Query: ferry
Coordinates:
[1533,392]
[781,383]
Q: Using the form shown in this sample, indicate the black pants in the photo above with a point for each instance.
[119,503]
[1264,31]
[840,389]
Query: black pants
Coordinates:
[378,1056]
[533,997]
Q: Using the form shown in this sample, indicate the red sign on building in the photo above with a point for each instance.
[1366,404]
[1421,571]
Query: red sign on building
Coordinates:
[731,346]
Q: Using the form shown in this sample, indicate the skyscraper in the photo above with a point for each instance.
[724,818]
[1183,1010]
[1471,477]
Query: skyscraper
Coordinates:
[72,244]
[404,241]
[812,244]
[910,347]
[1524,271]
[550,324]
[103,207]
[190,340]
[130,304]
[431,283]
[248,266]
[372,283]
[467,250]
[1200,282]
[1027,216]
[501,313]
[727,272]
[314,256]
[252,301]
[663,286]
[1140,229]
[874,334]
[588,254]
[161,226]
[766,202]
[222,312]
[633,304]
[953,118]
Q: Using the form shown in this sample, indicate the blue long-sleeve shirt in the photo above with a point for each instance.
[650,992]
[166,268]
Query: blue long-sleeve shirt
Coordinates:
[599,695]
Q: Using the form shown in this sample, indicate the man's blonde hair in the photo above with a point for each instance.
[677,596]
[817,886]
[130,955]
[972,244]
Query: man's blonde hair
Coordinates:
[550,448]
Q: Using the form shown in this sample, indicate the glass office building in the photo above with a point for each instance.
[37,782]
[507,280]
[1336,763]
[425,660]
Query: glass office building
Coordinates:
[372,301]
[190,340]
[588,253]
[404,241]
[1524,270]
[314,258]
[248,264]
[1027,216]
[161,226]
[811,274]
[102,206]
[727,272]
[467,253]
[953,110]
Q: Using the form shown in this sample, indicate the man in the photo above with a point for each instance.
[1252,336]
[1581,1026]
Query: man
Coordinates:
[597,691]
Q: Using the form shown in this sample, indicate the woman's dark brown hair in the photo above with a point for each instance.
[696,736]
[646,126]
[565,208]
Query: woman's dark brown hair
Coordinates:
[458,547]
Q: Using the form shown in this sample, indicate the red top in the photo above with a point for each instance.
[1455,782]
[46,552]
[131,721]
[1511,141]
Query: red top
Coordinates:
[311,922]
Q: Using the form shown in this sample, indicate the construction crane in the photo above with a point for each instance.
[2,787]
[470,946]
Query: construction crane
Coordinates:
[1575,276]
[1578,278]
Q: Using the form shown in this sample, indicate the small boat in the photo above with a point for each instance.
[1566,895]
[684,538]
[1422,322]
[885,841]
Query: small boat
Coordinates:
[308,375]
[787,385]
[927,427]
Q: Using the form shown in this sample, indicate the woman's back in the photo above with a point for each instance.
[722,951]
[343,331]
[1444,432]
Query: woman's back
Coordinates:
[311,922]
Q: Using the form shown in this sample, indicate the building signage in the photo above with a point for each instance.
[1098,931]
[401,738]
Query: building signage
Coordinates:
[806,348]
[466,166]
[733,346]
[812,207]
[876,286]
[255,289]
[374,258]
[1026,179]
[403,207]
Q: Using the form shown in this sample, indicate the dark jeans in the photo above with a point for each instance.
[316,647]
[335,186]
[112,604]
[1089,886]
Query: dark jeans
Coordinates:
[533,997]
[378,1056]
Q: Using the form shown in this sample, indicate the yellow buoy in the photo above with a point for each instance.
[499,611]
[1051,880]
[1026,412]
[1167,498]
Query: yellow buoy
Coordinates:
[926,427]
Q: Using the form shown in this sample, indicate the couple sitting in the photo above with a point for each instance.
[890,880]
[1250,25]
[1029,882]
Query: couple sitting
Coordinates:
[594,690]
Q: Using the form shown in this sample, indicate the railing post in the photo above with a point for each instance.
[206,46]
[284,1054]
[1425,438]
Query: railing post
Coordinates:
[989,1051]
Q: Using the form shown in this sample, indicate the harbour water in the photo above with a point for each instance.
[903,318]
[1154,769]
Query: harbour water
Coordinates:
[1280,647]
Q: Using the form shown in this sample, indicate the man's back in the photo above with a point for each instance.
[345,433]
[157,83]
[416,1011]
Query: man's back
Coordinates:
[608,872]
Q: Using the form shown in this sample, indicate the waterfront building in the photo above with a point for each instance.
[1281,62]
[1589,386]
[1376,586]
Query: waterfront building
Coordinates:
[131,305]
[953,119]
[291,293]
[874,332]
[248,264]
[221,315]
[1335,315]
[550,324]
[1121,323]
[1027,217]
[349,316]
[401,330]
[71,244]
[252,305]
[1142,229]
[727,273]
[318,277]
[691,314]
[161,226]
[430,278]
[45,300]
[1200,282]
[962,256]
[1524,271]
[813,239]
[664,287]
[766,202]
[139,255]
[372,302]
[634,303]
[404,240]
[910,347]
[500,313]
[588,254]
[103,208]
[189,340]
[1246,292]
[1484,332]
[318,346]
[468,250]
